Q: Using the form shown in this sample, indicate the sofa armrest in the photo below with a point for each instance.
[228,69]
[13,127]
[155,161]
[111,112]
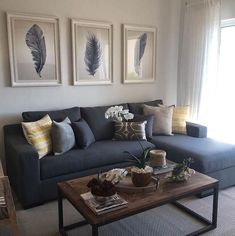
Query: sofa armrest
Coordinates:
[22,162]
[196,130]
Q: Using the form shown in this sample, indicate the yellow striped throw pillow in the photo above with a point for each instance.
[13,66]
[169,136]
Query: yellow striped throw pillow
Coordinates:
[180,116]
[38,134]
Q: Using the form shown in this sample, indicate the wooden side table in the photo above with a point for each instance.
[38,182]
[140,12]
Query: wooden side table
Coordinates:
[7,207]
[1,169]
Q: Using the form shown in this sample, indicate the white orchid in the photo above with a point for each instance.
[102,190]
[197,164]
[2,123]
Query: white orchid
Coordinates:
[124,112]
[119,118]
[118,114]
[128,116]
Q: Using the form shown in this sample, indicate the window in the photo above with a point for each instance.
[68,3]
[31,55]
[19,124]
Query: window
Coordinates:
[224,122]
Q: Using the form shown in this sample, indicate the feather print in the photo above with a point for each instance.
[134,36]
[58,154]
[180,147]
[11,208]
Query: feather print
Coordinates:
[139,51]
[92,54]
[36,42]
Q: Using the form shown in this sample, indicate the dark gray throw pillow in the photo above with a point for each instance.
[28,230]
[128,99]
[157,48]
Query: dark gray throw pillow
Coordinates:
[148,126]
[62,135]
[83,134]
[129,130]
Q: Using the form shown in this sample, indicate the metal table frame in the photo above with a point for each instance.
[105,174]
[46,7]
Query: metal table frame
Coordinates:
[209,224]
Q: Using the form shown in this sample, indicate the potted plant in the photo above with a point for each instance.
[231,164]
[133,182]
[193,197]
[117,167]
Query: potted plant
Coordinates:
[118,114]
[102,190]
[141,173]
[181,171]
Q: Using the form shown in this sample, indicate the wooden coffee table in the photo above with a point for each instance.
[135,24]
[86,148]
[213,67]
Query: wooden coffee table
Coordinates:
[139,202]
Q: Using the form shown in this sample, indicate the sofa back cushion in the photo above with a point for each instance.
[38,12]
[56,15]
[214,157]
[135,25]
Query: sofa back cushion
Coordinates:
[58,115]
[101,127]
[137,107]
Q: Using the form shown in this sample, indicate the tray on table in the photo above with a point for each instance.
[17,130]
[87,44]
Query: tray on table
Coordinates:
[126,186]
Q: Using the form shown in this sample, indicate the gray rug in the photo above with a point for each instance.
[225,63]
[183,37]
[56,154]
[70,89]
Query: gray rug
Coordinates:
[162,221]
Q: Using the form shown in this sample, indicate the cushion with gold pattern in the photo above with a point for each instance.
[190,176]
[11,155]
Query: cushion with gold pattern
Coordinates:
[130,130]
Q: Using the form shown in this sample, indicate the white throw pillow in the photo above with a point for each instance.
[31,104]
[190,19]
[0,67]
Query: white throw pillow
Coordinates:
[179,119]
[162,123]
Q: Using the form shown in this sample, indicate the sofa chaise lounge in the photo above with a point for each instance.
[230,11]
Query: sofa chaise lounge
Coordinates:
[35,180]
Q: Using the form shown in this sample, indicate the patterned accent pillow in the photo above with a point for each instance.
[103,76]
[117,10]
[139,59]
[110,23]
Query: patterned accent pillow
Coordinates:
[180,116]
[130,130]
[148,126]
[38,134]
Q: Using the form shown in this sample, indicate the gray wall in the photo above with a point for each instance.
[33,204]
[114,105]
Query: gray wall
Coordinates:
[164,14]
[227,9]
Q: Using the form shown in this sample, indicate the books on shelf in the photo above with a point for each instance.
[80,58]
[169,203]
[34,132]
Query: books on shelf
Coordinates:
[163,169]
[114,203]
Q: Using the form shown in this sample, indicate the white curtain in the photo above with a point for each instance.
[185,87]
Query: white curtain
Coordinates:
[199,58]
[222,121]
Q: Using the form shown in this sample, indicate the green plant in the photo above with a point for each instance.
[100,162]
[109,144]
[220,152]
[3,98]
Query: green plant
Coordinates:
[141,161]
[182,167]
[181,171]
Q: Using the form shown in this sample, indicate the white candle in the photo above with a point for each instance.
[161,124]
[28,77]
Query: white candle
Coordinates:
[158,157]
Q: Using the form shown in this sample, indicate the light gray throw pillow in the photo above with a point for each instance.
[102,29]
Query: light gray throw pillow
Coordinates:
[62,135]
[162,123]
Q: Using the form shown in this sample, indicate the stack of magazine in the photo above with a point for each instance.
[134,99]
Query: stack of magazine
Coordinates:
[114,203]
[163,169]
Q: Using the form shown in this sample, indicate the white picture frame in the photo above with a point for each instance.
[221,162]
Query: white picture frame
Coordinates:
[34,49]
[139,54]
[92,47]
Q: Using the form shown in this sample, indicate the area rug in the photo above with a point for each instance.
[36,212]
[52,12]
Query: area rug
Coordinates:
[162,221]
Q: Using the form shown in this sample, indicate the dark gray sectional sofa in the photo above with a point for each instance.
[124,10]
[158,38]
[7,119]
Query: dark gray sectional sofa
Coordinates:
[34,180]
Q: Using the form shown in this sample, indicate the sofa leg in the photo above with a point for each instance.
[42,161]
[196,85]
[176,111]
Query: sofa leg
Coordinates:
[25,207]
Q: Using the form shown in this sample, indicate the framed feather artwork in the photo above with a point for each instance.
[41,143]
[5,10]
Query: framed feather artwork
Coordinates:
[92,52]
[34,50]
[139,54]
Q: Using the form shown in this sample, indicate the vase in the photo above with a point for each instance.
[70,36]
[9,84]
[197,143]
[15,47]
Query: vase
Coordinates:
[141,179]
[181,177]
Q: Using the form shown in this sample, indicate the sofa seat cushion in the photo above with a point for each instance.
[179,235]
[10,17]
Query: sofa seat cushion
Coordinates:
[98,154]
[209,155]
